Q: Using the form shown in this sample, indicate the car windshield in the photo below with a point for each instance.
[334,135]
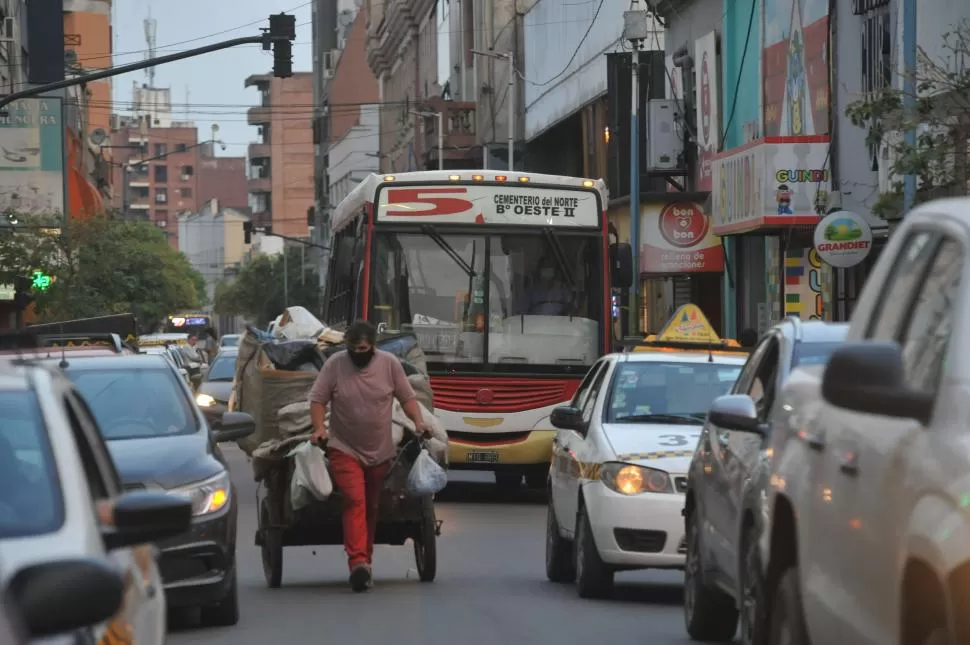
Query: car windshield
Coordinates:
[662,392]
[538,295]
[813,353]
[224,368]
[135,403]
[30,492]
[230,341]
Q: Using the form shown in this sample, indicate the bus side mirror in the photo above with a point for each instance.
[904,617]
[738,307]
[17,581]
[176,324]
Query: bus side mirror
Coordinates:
[621,265]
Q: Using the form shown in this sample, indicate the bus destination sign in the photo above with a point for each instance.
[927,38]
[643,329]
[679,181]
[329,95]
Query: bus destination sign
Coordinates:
[513,204]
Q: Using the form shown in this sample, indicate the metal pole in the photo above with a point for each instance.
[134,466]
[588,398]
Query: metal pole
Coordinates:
[441,140]
[635,188]
[909,94]
[511,111]
[125,189]
[286,276]
[463,55]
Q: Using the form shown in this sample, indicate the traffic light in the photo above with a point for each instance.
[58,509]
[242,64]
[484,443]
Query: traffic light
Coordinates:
[248,232]
[282,33]
[21,293]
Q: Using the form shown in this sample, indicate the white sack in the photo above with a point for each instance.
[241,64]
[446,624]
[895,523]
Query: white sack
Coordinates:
[311,479]
[426,476]
[439,437]
[422,387]
[295,418]
[298,323]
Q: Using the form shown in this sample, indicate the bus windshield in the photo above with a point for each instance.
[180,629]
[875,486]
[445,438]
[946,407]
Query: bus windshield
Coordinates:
[528,298]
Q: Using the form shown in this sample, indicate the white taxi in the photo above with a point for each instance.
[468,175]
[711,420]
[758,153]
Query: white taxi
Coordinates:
[621,454]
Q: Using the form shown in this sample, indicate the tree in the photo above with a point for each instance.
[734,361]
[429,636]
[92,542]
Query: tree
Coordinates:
[257,292]
[103,266]
[939,160]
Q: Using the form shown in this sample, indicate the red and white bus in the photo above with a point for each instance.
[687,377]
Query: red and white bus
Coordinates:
[503,278]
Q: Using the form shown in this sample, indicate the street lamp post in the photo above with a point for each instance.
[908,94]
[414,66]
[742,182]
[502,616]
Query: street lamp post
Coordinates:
[510,58]
[439,116]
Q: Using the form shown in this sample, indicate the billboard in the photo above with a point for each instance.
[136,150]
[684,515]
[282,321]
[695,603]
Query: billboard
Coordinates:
[677,238]
[707,100]
[32,158]
[512,204]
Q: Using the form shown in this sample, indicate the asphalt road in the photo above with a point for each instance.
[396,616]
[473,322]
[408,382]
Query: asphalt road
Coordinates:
[491,587]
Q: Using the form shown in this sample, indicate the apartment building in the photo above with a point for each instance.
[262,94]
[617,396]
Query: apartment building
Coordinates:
[213,241]
[281,182]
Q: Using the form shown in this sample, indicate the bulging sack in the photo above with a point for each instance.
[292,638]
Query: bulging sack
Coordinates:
[311,479]
[426,476]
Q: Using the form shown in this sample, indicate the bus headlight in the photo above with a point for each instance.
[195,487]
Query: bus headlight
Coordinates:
[207,496]
[628,479]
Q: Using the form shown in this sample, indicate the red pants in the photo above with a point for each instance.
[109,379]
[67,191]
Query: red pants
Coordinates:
[361,487]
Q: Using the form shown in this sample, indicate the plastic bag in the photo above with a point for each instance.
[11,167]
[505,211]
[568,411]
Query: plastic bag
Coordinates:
[311,479]
[294,355]
[426,476]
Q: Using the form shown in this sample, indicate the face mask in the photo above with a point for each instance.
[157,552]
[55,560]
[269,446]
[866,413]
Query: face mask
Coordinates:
[548,273]
[361,359]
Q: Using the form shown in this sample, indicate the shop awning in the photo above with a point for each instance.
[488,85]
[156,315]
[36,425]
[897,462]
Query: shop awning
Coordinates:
[83,199]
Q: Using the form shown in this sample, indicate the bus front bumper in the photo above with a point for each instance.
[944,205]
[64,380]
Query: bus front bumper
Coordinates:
[534,449]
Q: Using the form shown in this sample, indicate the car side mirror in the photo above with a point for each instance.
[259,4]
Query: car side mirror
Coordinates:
[61,596]
[566,417]
[621,265]
[234,426]
[869,377]
[736,412]
[141,517]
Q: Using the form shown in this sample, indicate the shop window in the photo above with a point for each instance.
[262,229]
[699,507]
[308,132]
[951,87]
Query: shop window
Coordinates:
[161,174]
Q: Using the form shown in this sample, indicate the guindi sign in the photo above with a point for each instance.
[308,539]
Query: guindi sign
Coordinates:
[677,238]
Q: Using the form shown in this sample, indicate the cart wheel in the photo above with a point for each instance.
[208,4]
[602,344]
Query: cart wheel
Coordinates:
[272,549]
[425,543]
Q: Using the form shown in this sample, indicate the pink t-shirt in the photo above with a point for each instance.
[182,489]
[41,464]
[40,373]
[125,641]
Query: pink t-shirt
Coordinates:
[361,403]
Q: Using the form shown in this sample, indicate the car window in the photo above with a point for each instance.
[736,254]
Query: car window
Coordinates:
[99,451]
[30,490]
[643,390]
[582,393]
[590,403]
[764,384]
[230,341]
[926,337]
[135,403]
[812,353]
[896,300]
[223,368]
[752,365]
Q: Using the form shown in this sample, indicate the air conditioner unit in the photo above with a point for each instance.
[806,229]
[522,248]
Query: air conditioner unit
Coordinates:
[115,122]
[665,143]
[330,61]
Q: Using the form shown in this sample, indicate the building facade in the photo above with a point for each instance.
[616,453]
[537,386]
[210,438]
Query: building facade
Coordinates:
[213,241]
[281,163]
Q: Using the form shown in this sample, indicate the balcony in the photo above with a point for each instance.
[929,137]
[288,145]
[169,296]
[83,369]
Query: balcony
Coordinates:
[260,184]
[259,115]
[459,137]
[259,151]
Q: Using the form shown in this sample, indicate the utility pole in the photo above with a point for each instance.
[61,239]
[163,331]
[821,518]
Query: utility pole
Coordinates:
[635,30]
[510,58]
[439,116]
[909,95]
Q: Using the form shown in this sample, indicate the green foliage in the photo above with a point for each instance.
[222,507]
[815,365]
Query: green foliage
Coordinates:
[257,292]
[941,119]
[103,266]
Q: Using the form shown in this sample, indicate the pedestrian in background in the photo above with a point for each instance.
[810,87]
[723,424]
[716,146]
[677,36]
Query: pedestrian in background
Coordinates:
[749,338]
[360,385]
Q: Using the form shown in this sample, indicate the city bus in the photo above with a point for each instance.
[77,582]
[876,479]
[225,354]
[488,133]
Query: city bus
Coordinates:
[193,324]
[504,279]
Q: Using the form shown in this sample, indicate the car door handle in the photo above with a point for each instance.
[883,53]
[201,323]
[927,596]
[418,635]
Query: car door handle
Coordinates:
[850,463]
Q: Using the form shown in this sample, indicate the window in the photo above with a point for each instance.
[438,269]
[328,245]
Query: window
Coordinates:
[877,61]
[161,174]
[650,390]
[185,191]
[899,291]
[343,271]
[159,149]
[223,369]
[579,399]
[161,195]
[927,336]
[590,403]
[181,147]
[116,398]
[187,172]
[30,490]
[813,353]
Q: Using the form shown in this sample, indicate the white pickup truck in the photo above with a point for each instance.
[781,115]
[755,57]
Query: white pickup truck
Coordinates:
[867,506]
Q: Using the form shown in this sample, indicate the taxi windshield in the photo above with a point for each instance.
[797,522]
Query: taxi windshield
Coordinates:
[667,392]
[30,493]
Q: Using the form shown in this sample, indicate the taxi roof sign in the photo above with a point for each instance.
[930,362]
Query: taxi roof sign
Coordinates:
[688,325]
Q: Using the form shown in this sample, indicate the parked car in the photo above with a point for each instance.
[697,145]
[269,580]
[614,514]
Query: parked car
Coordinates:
[213,393]
[722,514]
[160,440]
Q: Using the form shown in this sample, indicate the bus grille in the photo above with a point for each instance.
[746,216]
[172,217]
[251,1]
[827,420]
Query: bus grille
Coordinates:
[469,394]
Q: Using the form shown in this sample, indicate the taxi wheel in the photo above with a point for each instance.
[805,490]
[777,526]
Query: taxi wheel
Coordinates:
[787,618]
[709,614]
[560,559]
[226,613]
[594,578]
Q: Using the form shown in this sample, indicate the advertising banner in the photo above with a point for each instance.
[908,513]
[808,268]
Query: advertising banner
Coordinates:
[32,158]
[778,181]
[677,238]
[843,239]
[707,100]
[511,204]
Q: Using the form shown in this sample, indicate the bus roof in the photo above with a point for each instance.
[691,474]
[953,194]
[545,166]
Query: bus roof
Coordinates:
[351,206]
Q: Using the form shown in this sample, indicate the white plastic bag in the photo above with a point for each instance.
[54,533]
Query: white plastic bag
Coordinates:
[311,479]
[426,476]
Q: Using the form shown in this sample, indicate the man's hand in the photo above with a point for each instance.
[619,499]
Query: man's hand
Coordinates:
[422,429]
[319,436]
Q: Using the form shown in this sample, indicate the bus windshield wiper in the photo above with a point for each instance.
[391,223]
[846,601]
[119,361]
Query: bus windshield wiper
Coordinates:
[447,248]
[560,254]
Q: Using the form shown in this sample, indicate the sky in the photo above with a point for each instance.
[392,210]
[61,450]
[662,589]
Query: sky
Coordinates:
[206,89]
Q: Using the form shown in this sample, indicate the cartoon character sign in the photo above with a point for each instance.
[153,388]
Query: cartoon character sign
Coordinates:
[783,197]
[796,85]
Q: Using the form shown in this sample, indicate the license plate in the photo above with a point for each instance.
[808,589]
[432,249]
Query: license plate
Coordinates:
[482,457]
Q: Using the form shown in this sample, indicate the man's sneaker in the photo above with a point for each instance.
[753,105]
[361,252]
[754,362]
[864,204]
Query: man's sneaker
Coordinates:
[360,578]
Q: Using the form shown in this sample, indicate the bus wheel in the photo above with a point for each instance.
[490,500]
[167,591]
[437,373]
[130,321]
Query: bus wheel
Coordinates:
[508,479]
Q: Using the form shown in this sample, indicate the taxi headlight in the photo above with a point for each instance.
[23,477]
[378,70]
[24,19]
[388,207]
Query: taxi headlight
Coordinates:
[205,400]
[628,479]
[207,496]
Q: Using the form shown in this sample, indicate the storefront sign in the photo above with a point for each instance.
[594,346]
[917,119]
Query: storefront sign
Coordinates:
[843,239]
[677,238]
[777,181]
[708,98]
